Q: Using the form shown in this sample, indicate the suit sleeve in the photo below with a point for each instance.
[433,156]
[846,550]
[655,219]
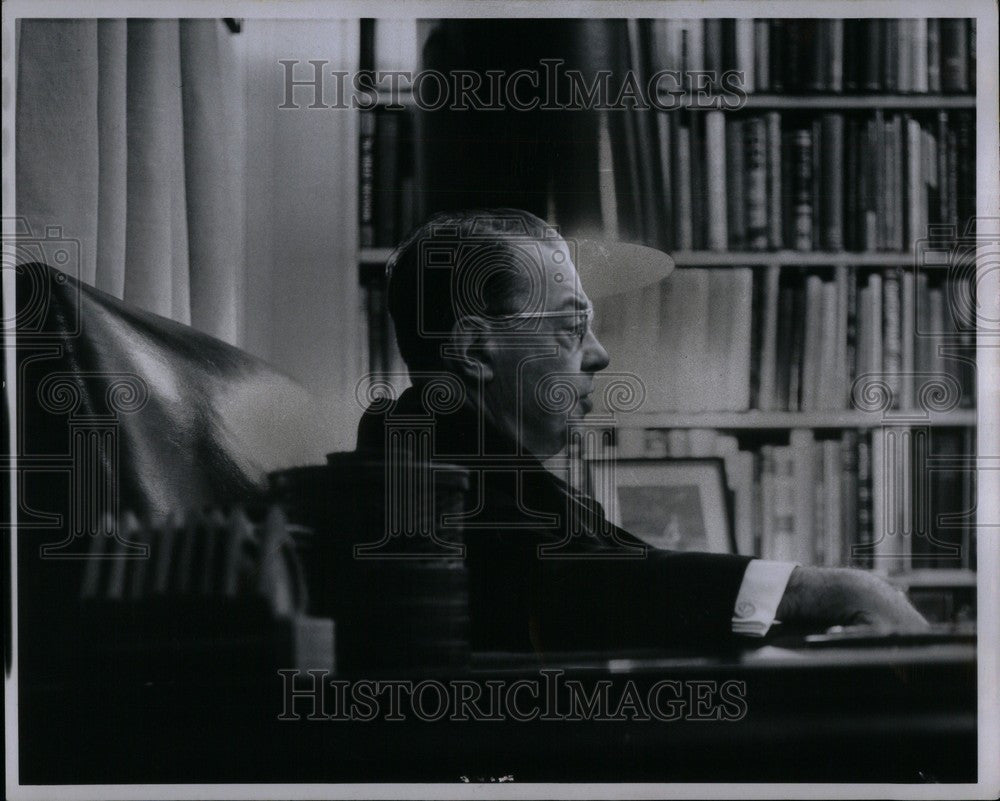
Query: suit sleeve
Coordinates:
[666,599]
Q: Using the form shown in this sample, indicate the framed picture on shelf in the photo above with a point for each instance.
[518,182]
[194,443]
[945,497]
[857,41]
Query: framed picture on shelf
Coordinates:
[670,504]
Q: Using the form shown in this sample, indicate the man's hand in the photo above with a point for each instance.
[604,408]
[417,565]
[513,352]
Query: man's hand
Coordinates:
[844,597]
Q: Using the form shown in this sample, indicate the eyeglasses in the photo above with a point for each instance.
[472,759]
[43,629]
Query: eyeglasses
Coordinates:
[582,319]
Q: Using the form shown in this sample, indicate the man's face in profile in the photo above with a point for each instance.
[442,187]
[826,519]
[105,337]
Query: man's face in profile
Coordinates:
[544,366]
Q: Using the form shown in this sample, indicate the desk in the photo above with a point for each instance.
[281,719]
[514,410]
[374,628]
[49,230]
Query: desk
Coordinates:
[886,714]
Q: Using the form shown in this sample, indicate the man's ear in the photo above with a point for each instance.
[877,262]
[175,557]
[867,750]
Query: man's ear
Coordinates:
[468,352]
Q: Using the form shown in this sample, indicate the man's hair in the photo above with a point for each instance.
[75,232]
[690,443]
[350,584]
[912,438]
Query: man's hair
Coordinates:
[472,262]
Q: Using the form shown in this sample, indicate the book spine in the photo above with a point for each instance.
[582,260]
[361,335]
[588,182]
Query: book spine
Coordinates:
[778,56]
[762,55]
[919,58]
[836,55]
[872,75]
[812,350]
[774,181]
[663,133]
[756,183]
[817,183]
[745,61]
[366,168]
[828,373]
[891,334]
[848,494]
[803,462]
[833,504]
[851,347]
[768,391]
[699,192]
[954,55]
[387,148]
[904,56]
[833,181]
[606,178]
[715,153]
[802,189]
[934,55]
[736,196]
[862,552]
[683,208]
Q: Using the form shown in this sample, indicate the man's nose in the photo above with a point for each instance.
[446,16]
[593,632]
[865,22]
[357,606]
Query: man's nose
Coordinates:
[595,357]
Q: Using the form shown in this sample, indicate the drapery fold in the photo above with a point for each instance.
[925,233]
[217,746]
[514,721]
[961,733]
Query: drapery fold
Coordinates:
[130,140]
[161,146]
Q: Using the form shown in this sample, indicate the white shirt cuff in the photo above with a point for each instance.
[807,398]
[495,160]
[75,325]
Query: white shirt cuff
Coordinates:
[760,593]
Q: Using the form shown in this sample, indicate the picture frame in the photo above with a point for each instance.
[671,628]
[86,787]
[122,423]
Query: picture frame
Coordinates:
[678,504]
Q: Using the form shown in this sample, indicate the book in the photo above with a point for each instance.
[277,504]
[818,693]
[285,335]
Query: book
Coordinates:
[803,465]
[756,183]
[833,53]
[745,61]
[681,173]
[606,178]
[861,550]
[762,55]
[774,182]
[832,179]
[954,55]
[788,320]
[767,395]
[872,72]
[919,81]
[892,334]
[736,194]
[933,55]
[366,182]
[387,174]
[802,188]
[715,160]
[908,360]
[848,494]
[829,372]
[812,347]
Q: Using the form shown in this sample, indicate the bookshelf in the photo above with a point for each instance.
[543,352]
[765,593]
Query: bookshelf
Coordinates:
[793,213]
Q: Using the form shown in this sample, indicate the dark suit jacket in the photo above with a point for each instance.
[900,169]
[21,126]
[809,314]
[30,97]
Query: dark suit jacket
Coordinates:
[600,589]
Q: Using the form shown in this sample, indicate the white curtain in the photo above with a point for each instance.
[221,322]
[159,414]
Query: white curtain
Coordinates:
[130,137]
[161,147]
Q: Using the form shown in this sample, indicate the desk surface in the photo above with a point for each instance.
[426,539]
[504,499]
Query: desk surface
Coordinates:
[887,713]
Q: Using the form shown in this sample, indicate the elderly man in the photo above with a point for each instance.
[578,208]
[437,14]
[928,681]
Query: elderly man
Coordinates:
[492,300]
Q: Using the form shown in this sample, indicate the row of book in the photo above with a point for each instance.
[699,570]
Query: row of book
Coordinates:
[820,55]
[786,339]
[878,499]
[388,204]
[714,180]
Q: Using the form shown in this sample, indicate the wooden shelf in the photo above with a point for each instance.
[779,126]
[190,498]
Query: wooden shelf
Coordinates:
[797,258]
[777,102]
[865,101]
[751,420]
[738,258]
